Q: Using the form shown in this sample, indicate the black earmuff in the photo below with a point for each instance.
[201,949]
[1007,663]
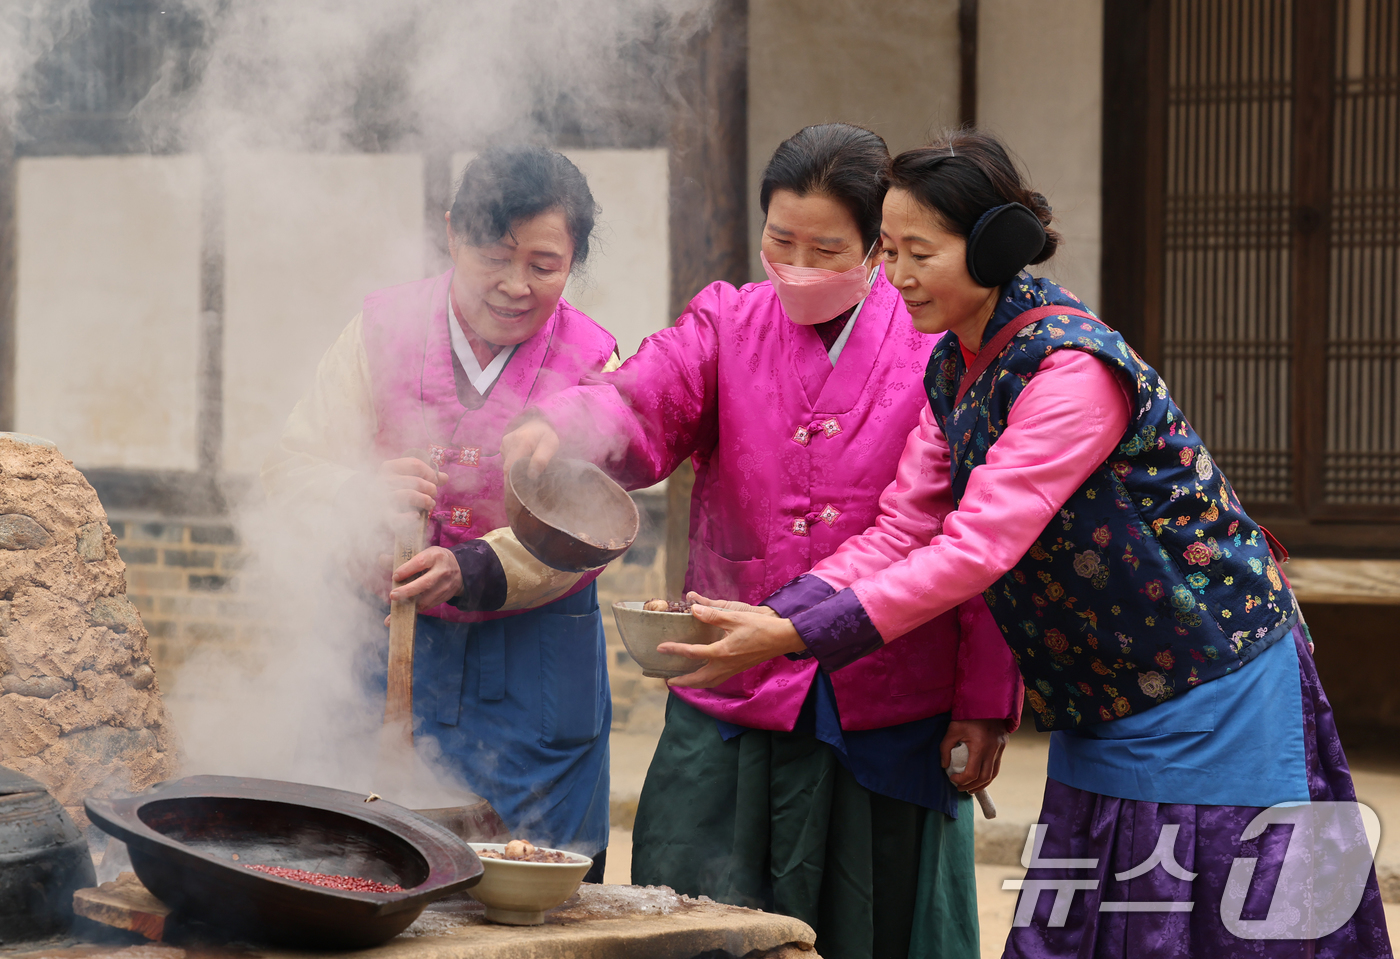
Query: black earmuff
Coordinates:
[1004,240]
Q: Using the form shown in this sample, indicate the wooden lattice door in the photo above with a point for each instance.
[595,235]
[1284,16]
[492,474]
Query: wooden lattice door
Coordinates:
[1360,469]
[1252,244]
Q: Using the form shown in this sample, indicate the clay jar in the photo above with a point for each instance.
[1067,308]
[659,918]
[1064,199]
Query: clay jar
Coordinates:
[43,860]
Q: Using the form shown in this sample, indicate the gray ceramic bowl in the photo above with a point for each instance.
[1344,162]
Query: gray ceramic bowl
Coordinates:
[643,630]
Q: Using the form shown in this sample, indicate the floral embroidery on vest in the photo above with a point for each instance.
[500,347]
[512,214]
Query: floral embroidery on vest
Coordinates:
[1151,579]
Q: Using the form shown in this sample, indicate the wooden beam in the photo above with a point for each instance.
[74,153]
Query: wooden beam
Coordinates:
[967,63]
[708,200]
[1313,32]
[1305,537]
[124,904]
[1361,581]
[709,158]
[209,429]
[1133,177]
[9,234]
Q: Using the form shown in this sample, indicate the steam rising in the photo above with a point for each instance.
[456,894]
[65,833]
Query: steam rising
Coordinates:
[29,29]
[304,699]
[294,700]
[330,75]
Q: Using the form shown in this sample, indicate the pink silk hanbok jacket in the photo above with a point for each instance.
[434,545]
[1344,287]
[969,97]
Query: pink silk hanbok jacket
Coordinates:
[921,556]
[409,352]
[790,459]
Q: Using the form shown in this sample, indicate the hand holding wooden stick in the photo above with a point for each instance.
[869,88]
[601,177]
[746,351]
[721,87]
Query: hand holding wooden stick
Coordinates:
[403,617]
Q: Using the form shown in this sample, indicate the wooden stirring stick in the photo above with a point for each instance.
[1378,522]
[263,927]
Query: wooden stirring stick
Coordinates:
[403,620]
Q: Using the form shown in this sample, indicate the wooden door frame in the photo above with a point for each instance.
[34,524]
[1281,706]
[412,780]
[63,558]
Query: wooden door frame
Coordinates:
[1135,59]
[1134,171]
[709,226]
[9,277]
[1313,26]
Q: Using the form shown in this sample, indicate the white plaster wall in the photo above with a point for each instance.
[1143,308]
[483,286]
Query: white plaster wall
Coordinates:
[626,284]
[892,67]
[1040,88]
[108,307]
[306,237]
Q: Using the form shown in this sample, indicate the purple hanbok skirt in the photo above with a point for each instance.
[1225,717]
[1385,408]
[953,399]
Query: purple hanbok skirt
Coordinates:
[1119,835]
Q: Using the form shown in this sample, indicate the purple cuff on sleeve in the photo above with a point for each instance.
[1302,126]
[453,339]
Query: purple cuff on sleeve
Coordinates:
[483,578]
[803,592]
[837,630]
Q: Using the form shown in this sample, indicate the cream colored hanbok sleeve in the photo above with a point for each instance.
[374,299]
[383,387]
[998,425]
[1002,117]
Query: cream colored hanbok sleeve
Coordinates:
[326,454]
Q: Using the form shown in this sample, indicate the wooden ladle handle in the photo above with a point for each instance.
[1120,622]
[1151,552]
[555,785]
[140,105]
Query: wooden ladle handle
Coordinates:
[403,618]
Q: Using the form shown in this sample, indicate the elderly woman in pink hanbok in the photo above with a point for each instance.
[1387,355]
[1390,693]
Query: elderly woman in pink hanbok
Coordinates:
[514,690]
[819,796]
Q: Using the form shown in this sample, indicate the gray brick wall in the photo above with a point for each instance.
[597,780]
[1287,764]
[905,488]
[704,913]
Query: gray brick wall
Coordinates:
[183,577]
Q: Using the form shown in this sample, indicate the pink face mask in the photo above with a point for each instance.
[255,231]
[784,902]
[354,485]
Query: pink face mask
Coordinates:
[811,295]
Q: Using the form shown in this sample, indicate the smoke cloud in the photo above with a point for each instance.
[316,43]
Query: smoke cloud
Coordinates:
[29,30]
[329,75]
[293,698]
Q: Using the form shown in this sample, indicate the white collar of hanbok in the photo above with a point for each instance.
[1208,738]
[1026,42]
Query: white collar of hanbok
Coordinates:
[835,352]
[480,379]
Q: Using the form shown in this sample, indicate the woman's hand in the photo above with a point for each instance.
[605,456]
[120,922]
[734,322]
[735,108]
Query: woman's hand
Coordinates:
[433,577]
[749,639]
[985,739]
[413,486]
[733,605]
[535,439]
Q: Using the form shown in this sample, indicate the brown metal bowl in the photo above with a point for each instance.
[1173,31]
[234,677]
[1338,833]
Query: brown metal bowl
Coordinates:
[478,822]
[183,837]
[571,517]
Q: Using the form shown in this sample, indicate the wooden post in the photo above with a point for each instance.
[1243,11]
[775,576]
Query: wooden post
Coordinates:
[708,220]
[403,620]
[210,418]
[1134,174]
[967,63]
[9,235]
[1313,32]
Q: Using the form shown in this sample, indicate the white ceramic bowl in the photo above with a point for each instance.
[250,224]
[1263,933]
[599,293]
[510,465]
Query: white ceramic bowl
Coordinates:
[518,893]
[643,630]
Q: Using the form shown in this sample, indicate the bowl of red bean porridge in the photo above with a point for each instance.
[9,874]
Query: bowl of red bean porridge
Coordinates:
[522,881]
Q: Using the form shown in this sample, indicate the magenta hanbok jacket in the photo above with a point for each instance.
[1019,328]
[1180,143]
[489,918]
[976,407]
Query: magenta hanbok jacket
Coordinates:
[409,350]
[790,457]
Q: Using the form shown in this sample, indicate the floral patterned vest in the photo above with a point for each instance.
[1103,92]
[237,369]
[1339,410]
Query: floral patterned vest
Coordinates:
[1151,579]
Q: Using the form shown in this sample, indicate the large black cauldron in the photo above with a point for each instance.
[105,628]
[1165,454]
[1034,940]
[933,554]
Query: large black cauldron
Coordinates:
[183,838]
[43,860]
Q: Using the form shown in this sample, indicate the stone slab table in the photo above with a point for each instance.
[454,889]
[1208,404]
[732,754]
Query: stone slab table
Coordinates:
[600,922]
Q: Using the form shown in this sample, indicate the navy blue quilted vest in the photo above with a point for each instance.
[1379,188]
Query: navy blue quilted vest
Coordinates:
[1151,579]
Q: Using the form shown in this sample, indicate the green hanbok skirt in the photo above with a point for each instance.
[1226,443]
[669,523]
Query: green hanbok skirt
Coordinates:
[773,821]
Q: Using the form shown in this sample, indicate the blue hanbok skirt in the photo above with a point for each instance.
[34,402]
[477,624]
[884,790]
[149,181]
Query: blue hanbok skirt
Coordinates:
[520,708]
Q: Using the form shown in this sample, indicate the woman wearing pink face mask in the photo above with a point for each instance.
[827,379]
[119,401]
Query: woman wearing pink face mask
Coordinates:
[822,797]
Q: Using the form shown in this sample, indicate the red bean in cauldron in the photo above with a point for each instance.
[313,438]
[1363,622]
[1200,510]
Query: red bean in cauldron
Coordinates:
[342,883]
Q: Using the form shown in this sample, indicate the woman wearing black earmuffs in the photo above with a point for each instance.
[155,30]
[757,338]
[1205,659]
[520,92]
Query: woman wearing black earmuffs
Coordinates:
[1155,632]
